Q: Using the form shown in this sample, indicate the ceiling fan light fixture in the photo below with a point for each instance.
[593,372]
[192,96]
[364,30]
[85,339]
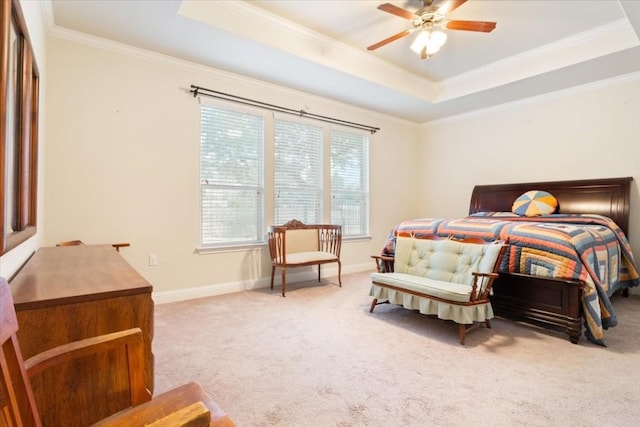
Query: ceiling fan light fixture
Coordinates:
[421,40]
[438,38]
[431,49]
[431,40]
[425,20]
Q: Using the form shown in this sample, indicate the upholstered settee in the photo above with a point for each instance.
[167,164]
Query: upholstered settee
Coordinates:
[447,278]
[296,244]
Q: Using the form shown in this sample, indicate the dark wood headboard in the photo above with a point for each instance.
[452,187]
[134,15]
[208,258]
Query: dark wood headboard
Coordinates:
[608,197]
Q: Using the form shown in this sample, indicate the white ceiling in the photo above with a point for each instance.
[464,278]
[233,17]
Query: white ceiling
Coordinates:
[319,46]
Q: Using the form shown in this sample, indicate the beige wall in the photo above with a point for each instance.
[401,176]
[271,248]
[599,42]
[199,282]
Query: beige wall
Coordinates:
[588,132]
[122,165]
[14,259]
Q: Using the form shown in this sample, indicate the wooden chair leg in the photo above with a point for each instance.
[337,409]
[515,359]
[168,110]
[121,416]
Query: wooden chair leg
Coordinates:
[273,272]
[340,273]
[463,329]
[373,305]
[284,280]
[319,272]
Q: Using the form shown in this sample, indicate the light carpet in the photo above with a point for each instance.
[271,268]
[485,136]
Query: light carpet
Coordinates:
[319,358]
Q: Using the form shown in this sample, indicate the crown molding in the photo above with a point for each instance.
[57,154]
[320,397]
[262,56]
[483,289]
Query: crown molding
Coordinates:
[588,87]
[606,39]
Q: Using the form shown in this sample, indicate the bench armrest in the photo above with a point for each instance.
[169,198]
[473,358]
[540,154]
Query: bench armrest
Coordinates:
[482,284]
[276,241]
[384,263]
[330,239]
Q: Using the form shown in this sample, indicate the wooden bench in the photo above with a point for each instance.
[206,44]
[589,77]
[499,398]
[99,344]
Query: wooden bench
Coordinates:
[295,244]
[447,278]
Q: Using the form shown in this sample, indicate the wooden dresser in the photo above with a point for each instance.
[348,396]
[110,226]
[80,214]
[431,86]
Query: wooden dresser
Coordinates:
[64,294]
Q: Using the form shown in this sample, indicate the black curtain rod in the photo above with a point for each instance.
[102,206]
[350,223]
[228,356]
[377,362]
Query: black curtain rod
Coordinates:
[197,90]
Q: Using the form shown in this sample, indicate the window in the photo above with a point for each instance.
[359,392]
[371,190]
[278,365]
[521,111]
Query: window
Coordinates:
[231,177]
[18,129]
[350,182]
[312,173]
[297,172]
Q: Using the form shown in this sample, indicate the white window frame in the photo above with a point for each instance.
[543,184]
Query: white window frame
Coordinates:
[361,193]
[258,187]
[314,188]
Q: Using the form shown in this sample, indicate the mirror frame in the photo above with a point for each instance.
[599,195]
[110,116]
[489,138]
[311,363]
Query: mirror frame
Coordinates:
[18,129]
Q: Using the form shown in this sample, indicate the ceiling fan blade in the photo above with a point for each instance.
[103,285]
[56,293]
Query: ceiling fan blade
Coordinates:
[481,26]
[390,39]
[398,11]
[450,6]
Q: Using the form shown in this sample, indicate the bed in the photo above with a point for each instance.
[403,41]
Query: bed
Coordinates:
[561,269]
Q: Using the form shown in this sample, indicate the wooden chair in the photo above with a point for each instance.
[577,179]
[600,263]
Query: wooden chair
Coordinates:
[187,405]
[296,244]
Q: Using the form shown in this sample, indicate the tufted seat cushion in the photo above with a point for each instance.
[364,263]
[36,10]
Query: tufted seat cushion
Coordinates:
[437,288]
[444,260]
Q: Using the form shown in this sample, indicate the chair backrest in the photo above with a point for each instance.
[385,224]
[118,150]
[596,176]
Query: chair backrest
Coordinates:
[295,237]
[17,405]
[301,240]
[446,260]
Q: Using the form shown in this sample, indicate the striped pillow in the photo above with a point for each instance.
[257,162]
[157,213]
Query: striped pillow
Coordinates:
[535,203]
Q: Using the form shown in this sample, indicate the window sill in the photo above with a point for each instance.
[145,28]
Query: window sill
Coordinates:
[230,248]
[253,246]
[356,239]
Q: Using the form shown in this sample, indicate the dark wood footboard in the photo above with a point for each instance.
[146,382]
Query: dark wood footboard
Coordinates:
[552,303]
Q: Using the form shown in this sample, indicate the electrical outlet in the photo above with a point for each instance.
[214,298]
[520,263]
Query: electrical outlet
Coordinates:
[153,260]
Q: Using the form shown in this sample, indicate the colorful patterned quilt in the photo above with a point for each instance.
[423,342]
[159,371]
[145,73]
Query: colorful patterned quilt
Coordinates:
[591,248]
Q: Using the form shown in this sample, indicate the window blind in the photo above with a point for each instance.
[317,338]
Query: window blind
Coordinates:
[231,176]
[297,172]
[350,182]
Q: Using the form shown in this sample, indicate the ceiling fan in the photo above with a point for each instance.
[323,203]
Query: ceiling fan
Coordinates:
[428,19]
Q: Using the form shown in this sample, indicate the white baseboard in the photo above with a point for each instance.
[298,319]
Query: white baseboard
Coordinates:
[164,297]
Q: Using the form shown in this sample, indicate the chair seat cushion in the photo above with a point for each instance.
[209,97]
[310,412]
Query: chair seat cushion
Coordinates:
[313,256]
[424,285]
